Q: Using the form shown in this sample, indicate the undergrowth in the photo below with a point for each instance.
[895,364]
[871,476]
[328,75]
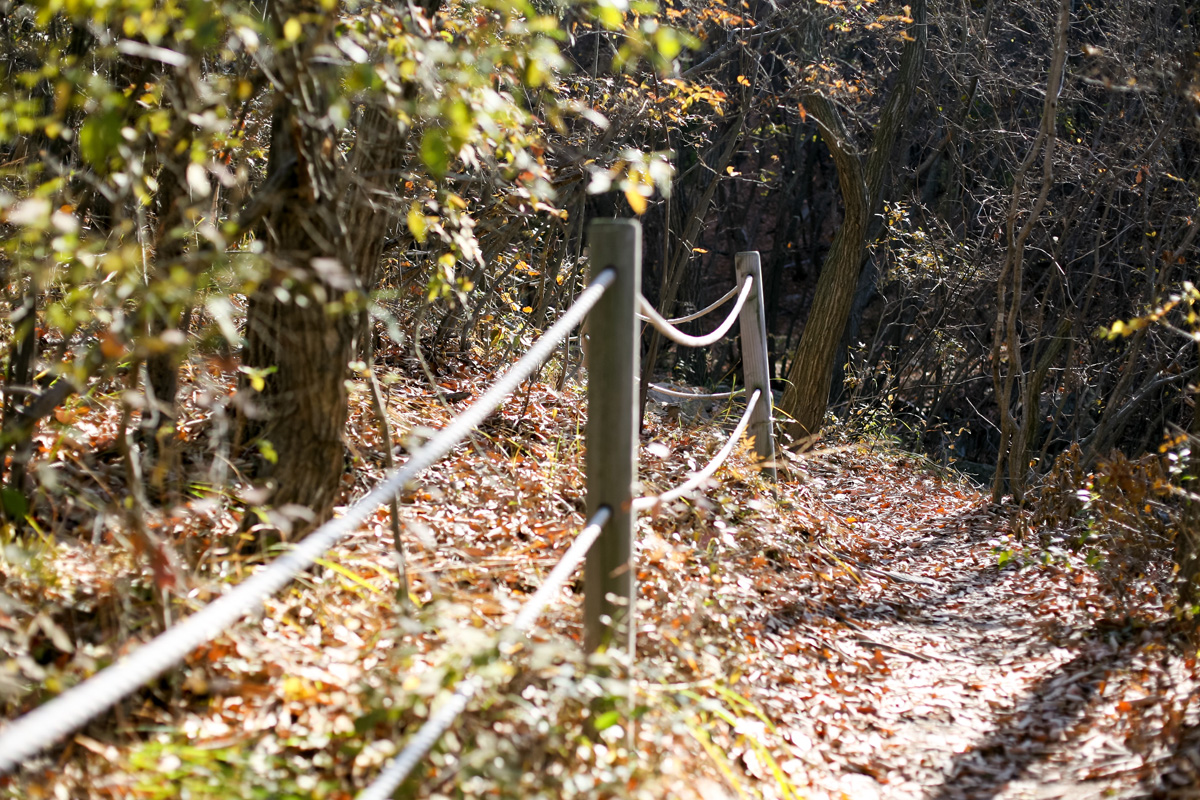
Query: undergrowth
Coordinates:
[336,675]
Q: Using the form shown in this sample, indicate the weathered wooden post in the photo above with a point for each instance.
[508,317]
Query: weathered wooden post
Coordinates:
[612,359]
[756,368]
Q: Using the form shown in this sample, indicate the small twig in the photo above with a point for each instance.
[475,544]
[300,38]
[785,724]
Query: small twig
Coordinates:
[160,554]
[900,576]
[893,648]
[385,433]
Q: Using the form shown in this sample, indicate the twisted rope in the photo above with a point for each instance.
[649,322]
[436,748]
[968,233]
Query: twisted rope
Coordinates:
[697,478]
[732,293]
[688,396]
[679,337]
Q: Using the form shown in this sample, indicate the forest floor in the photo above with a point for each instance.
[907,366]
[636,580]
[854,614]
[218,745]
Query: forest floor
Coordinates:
[968,665]
[871,629]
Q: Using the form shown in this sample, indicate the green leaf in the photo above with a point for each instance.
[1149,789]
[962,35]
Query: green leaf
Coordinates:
[268,451]
[15,504]
[99,137]
[610,17]
[668,43]
[536,73]
[435,152]
[607,720]
[258,375]
[417,224]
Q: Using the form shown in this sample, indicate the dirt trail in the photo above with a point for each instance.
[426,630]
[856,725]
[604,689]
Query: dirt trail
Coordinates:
[945,674]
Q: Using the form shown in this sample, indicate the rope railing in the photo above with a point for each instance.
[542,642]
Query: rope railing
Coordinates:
[696,479]
[679,337]
[667,390]
[439,722]
[50,722]
[732,293]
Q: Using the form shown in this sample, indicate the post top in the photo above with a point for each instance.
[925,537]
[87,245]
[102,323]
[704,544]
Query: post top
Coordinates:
[633,224]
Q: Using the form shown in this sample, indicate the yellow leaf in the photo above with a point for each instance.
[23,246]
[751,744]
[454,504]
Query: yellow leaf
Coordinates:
[298,689]
[292,30]
[416,223]
[636,201]
[743,80]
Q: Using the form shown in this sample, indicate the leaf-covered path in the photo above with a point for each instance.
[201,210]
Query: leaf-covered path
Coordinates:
[943,673]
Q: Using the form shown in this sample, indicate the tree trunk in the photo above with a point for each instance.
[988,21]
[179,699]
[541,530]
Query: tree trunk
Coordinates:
[811,372]
[299,334]
[162,368]
[864,292]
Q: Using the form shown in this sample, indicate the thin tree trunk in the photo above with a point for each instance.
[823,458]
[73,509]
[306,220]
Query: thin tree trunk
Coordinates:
[162,368]
[1008,373]
[811,373]
[673,271]
[17,434]
[371,200]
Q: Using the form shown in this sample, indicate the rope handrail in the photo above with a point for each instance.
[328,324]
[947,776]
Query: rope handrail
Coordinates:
[699,477]
[732,293]
[50,722]
[679,337]
[438,722]
[667,390]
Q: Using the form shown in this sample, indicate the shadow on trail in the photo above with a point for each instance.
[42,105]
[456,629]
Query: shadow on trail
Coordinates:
[908,593]
[1178,776]
[1052,713]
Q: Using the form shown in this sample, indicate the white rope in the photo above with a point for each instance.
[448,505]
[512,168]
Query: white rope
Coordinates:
[424,739]
[70,710]
[697,478]
[679,337]
[732,293]
[689,396]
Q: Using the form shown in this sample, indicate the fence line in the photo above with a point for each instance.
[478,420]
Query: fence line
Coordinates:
[386,782]
[605,544]
[424,739]
[700,476]
[612,416]
[48,723]
[679,337]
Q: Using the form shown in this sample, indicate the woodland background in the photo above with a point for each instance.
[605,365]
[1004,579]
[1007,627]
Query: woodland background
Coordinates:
[227,225]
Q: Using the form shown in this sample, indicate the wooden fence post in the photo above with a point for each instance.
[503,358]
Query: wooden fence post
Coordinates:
[612,427]
[756,368]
